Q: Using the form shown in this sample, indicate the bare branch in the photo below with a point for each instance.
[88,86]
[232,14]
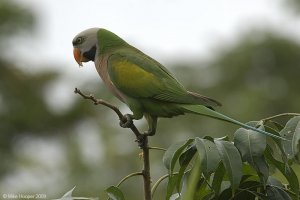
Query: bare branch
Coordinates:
[142,140]
[100,101]
[112,107]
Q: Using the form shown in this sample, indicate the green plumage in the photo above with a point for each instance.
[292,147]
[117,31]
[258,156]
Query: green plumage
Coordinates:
[145,85]
[149,85]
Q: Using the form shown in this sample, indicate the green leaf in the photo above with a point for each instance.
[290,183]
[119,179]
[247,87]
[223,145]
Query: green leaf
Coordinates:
[285,169]
[208,154]
[276,193]
[209,196]
[291,133]
[114,193]
[250,144]
[258,195]
[247,190]
[218,178]
[250,184]
[169,159]
[194,178]
[276,125]
[296,143]
[187,155]
[175,197]
[172,182]
[232,161]
[224,138]
[68,195]
[212,139]
[274,182]
[184,160]
[278,143]
[262,168]
[226,194]
[172,154]
[248,171]
[201,189]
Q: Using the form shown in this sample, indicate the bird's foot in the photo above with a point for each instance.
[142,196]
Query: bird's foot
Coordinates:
[150,132]
[152,123]
[143,138]
[126,122]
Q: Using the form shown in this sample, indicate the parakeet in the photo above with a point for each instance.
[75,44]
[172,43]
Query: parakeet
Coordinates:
[145,85]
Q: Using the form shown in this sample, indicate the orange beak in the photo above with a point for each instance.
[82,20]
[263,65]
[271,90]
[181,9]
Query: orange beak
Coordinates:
[79,57]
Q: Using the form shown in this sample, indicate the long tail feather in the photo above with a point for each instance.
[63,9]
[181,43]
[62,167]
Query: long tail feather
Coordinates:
[202,110]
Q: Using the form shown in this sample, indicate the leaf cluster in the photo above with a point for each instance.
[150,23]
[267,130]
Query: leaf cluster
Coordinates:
[217,168]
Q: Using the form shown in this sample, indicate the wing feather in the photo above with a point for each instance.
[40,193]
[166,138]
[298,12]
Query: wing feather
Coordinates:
[139,76]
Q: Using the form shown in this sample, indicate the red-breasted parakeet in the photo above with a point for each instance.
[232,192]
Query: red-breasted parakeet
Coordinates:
[146,86]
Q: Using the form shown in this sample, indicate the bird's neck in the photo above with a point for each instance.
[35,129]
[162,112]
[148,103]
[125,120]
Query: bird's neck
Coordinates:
[108,41]
[101,67]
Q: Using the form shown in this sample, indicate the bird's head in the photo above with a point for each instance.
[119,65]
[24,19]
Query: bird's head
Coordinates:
[85,45]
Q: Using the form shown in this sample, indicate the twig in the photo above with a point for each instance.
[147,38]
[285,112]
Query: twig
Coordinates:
[129,176]
[280,115]
[155,186]
[114,108]
[158,148]
[157,183]
[141,139]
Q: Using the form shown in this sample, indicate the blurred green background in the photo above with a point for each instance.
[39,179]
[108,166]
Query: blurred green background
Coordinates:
[48,146]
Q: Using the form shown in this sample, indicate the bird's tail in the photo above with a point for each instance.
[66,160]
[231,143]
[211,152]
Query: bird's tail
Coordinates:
[202,110]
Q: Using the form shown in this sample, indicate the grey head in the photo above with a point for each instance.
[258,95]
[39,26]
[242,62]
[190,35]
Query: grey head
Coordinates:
[85,45]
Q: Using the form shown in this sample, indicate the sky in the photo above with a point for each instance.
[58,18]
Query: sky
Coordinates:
[168,30]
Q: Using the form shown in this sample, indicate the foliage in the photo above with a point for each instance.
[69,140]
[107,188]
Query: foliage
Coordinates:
[14,19]
[293,5]
[25,115]
[219,169]
[258,62]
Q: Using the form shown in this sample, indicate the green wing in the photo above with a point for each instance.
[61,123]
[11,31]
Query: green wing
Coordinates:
[139,76]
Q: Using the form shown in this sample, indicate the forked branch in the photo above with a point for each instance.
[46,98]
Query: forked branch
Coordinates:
[140,138]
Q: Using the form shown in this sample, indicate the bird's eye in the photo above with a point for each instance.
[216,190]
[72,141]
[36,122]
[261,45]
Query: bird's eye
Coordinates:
[79,40]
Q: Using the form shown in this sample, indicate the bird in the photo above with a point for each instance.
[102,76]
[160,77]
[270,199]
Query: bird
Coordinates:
[147,87]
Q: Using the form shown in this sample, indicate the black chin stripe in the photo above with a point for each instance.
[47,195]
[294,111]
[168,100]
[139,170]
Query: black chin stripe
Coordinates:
[90,54]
